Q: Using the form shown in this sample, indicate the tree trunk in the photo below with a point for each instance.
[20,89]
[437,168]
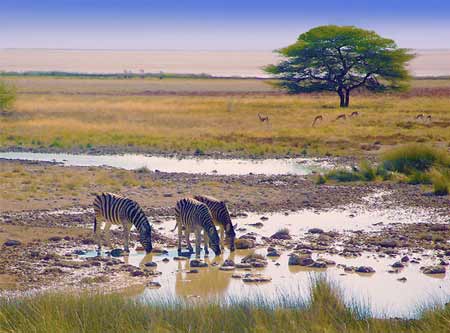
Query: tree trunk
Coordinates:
[347,97]
[341,97]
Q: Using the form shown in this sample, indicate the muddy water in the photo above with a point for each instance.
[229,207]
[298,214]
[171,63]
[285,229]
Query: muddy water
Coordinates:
[296,166]
[380,292]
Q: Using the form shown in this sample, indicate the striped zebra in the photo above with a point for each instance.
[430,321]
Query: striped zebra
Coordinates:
[115,209]
[221,218]
[195,216]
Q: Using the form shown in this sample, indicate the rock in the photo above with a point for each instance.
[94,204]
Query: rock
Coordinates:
[151,264]
[281,234]
[167,195]
[228,263]
[159,251]
[402,279]
[439,227]
[296,260]
[256,278]
[226,268]
[328,262]
[79,252]
[55,239]
[433,270]
[273,253]
[263,218]
[405,259]
[198,263]
[397,264]
[137,273]
[388,243]
[315,231]
[243,265]
[153,284]
[179,258]
[166,260]
[364,269]
[87,241]
[192,271]
[244,244]
[256,225]
[53,271]
[12,242]
[319,264]
[236,276]
[117,253]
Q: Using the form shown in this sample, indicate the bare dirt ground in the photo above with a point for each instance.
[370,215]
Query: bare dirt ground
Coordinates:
[51,221]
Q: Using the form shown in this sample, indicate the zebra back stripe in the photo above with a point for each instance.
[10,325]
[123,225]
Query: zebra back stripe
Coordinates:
[218,211]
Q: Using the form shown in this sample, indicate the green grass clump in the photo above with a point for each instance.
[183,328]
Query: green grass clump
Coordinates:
[343,175]
[441,181]
[414,157]
[325,311]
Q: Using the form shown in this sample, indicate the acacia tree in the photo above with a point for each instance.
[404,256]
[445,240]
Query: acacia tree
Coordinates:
[341,59]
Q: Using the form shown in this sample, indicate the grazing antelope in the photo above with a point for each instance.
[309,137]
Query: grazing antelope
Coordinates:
[354,114]
[221,218]
[319,117]
[428,118]
[420,116]
[263,118]
[115,209]
[195,216]
[341,116]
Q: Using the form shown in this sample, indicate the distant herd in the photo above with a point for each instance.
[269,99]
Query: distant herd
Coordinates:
[193,215]
[264,118]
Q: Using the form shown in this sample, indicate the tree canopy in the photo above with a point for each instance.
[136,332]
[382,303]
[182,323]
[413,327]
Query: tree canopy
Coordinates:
[341,59]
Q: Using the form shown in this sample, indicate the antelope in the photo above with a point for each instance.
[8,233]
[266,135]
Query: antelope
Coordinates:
[341,116]
[263,118]
[420,116]
[319,117]
[429,117]
[354,114]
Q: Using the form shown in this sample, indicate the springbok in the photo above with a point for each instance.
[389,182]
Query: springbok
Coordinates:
[319,117]
[263,118]
[341,116]
[354,114]
[420,116]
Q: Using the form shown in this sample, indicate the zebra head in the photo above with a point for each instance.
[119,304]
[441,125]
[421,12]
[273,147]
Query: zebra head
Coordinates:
[145,237]
[214,242]
[231,234]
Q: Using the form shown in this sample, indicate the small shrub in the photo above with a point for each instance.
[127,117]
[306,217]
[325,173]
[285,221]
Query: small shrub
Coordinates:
[143,169]
[418,177]
[440,181]
[7,96]
[383,173]
[321,180]
[342,175]
[414,157]
[367,172]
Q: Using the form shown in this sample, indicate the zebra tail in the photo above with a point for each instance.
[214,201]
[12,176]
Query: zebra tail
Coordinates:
[176,225]
[95,224]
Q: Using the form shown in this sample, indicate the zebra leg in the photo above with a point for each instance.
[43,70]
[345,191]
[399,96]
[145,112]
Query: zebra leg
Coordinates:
[198,241]
[205,239]
[180,234]
[187,234]
[126,235]
[98,232]
[106,232]
[222,237]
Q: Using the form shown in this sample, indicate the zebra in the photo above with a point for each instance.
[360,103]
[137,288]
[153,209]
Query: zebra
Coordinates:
[194,216]
[115,209]
[221,218]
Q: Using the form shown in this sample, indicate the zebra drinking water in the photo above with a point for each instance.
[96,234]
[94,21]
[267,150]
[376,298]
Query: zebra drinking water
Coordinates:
[115,209]
[221,218]
[195,216]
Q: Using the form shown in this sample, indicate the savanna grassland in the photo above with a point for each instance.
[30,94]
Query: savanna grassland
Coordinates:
[215,115]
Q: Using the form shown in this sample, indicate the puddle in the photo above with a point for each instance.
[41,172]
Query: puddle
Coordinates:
[295,166]
[380,292]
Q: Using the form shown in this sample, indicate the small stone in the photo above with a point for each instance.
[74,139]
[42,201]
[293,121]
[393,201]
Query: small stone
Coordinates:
[244,243]
[192,271]
[433,270]
[151,264]
[153,284]
[226,268]
[236,276]
[12,242]
[397,264]
[319,264]
[243,265]
[136,273]
[388,243]
[198,263]
[228,262]
[274,253]
[117,253]
[79,252]
[364,269]
[402,279]
[256,278]
[405,259]
[296,260]
[166,260]
[315,231]
[55,239]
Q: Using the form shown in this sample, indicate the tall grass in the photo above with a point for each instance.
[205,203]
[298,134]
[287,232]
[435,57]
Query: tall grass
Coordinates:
[325,312]
[415,157]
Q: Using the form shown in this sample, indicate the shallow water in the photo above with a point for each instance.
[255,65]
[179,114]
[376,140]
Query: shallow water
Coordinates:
[295,166]
[380,292]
